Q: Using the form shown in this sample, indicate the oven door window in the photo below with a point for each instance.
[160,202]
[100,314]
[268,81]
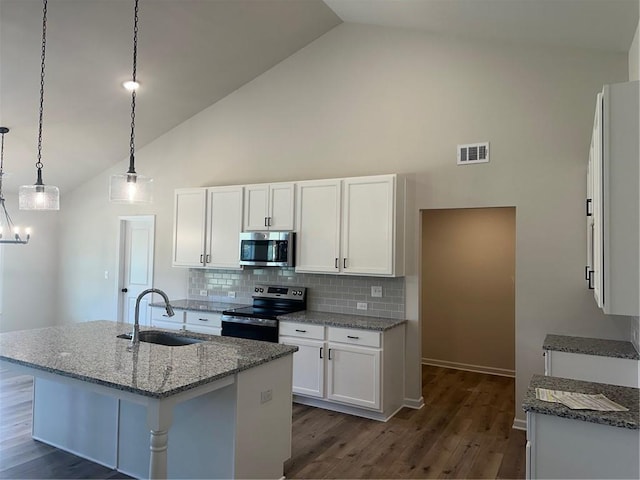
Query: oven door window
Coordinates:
[264,251]
[253,332]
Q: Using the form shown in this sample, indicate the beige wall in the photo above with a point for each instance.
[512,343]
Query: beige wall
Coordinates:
[29,272]
[634,54]
[468,287]
[365,100]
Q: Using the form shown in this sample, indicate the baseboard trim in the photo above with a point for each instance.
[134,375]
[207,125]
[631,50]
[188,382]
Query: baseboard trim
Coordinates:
[416,404]
[519,424]
[470,368]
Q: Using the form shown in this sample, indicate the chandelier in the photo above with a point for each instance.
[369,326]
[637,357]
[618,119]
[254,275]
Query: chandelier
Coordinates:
[6,224]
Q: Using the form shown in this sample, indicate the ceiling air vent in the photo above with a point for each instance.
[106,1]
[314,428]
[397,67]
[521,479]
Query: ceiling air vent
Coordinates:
[473,153]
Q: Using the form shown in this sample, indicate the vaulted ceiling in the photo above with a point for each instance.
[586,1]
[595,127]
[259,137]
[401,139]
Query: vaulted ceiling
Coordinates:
[192,53]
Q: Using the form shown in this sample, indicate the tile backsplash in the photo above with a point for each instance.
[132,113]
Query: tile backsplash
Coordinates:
[326,293]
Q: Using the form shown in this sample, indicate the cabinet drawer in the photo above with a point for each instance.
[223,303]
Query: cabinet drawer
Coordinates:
[159,314]
[209,319]
[166,325]
[303,330]
[353,336]
[192,327]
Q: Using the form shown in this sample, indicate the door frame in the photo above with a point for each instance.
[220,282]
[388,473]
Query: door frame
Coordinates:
[121,257]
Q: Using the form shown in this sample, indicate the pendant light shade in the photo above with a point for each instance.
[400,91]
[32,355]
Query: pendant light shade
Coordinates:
[130,187]
[40,196]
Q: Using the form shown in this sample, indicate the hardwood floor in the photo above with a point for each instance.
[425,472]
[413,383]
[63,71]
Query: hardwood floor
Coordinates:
[463,431]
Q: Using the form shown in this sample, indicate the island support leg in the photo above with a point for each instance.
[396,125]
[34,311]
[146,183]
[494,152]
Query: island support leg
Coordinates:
[159,418]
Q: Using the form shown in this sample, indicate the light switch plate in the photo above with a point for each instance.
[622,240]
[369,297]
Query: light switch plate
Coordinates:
[376,291]
[361,306]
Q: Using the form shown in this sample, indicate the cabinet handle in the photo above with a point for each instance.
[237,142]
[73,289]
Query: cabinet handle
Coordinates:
[321,351]
[336,263]
[265,221]
[268,221]
[344,262]
[329,354]
[590,280]
[586,273]
[201,258]
[208,258]
[353,338]
[301,331]
[589,212]
[203,319]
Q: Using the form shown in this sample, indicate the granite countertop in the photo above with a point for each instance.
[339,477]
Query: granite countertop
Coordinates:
[591,346]
[342,320]
[91,352]
[626,396]
[200,305]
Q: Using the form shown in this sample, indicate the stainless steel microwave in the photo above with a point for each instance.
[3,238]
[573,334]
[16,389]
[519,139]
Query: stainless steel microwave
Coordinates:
[267,249]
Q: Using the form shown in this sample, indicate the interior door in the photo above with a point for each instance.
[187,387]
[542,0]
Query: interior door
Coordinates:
[136,266]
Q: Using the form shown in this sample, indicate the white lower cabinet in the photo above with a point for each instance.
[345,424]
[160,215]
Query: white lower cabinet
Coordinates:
[592,368]
[354,375]
[203,322]
[348,370]
[158,318]
[567,448]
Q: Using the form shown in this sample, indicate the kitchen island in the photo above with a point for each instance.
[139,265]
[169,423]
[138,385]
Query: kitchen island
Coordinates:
[219,408]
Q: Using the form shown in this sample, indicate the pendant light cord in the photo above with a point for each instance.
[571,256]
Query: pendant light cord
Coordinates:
[42,57]
[1,165]
[132,169]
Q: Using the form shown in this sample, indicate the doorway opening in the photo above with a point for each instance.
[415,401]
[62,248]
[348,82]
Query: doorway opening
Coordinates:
[468,289]
[135,265]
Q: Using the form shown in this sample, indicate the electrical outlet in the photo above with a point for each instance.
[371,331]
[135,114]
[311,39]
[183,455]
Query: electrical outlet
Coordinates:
[106,274]
[203,293]
[376,291]
[266,396]
[361,306]
[231,294]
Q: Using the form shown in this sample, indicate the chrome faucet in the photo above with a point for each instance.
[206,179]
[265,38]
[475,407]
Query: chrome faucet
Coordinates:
[135,336]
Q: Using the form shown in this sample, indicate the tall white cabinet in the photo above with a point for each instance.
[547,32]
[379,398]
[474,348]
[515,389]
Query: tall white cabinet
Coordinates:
[206,227]
[352,226]
[613,206]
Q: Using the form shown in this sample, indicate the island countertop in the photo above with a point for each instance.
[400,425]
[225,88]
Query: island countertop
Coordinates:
[625,396]
[91,352]
[591,346]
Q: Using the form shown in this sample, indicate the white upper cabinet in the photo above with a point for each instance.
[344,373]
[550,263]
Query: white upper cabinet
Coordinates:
[351,226]
[368,225]
[269,206]
[318,237]
[207,226]
[613,210]
[224,224]
[189,217]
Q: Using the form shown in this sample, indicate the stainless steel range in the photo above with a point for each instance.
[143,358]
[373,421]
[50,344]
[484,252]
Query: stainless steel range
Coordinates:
[259,321]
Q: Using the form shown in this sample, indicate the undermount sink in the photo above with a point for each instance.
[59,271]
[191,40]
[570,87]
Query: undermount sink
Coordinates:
[163,338]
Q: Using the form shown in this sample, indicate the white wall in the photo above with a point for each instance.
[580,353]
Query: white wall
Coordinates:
[29,287]
[366,100]
[634,54]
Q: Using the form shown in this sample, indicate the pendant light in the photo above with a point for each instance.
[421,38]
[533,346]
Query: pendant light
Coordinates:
[131,187]
[6,224]
[40,196]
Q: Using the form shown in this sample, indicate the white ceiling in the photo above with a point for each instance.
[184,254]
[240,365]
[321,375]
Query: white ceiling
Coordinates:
[192,53]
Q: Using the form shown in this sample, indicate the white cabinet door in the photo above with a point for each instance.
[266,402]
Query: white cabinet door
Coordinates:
[281,197]
[596,192]
[269,206]
[353,375]
[224,227]
[308,366]
[189,227]
[256,206]
[318,221]
[368,226]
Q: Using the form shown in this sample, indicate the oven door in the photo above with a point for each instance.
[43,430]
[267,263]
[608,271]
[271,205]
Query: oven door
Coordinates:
[252,328]
[267,249]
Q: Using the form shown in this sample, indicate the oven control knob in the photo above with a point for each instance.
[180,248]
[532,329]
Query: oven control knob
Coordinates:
[256,289]
[261,290]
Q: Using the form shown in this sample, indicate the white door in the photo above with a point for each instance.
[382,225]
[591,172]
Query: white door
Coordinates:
[353,375]
[308,366]
[136,265]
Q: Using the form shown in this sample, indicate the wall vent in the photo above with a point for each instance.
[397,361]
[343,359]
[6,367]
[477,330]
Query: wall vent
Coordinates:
[473,153]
